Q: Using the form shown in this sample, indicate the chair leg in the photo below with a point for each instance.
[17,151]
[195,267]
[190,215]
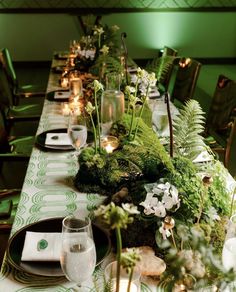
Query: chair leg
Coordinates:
[4,236]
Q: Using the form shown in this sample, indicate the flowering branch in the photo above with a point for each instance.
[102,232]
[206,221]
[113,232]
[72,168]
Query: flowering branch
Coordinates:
[117,217]
[89,109]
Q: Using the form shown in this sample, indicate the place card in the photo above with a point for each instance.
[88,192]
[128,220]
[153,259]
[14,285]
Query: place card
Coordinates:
[61,139]
[61,94]
[39,246]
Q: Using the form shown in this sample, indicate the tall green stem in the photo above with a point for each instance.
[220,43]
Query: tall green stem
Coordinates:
[98,120]
[132,121]
[94,133]
[130,279]
[141,112]
[118,256]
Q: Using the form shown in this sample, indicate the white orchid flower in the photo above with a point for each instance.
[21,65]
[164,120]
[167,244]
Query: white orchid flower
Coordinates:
[130,208]
[167,201]
[160,210]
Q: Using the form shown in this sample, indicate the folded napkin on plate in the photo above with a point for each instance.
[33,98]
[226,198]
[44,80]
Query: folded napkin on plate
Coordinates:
[61,139]
[40,246]
[61,94]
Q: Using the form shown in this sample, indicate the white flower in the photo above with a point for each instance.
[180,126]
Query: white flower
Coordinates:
[160,197]
[97,85]
[149,203]
[101,210]
[104,50]
[98,30]
[115,28]
[160,210]
[130,208]
[167,201]
[129,89]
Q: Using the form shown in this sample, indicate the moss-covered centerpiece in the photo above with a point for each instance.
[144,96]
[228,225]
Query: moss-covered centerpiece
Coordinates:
[183,205]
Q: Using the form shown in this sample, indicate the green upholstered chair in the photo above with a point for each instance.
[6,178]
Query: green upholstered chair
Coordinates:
[20,92]
[9,199]
[12,113]
[221,119]
[12,149]
[185,81]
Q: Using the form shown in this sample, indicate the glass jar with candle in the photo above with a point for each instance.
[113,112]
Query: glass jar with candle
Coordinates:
[75,83]
[112,103]
[110,277]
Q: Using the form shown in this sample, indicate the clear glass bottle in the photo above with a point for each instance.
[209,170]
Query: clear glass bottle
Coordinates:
[112,103]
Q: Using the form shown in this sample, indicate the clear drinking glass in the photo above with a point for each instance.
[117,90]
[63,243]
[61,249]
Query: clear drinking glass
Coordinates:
[229,248]
[77,131]
[78,253]
[112,103]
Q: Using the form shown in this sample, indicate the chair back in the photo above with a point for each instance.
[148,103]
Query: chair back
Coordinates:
[6,60]
[167,51]
[185,80]
[6,94]
[223,104]
[4,143]
[229,159]
[221,119]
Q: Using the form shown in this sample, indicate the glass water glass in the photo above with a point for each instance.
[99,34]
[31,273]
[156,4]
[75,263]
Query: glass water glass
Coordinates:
[78,253]
[77,131]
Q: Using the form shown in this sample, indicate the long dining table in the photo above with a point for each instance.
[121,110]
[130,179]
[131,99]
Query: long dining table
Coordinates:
[48,192]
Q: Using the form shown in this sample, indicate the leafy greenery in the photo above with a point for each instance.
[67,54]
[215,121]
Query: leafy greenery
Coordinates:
[187,129]
[106,64]
[162,66]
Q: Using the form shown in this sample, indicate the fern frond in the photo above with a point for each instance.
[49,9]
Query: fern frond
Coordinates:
[161,66]
[187,129]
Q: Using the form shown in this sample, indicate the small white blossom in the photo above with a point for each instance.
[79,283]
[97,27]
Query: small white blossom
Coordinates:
[104,50]
[115,27]
[160,197]
[97,85]
[98,30]
[130,208]
[160,210]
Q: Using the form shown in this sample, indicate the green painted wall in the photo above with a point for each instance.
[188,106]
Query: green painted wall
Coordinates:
[196,34]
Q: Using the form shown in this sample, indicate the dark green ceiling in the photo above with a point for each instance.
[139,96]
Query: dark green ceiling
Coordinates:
[106,6]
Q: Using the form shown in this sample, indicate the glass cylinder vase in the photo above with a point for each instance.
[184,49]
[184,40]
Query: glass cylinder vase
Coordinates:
[112,103]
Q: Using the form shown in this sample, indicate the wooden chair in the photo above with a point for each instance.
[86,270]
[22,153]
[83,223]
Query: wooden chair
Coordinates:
[20,92]
[221,119]
[185,80]
[12,113]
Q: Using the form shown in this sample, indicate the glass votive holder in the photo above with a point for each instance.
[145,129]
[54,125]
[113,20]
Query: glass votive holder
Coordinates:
[111,279]
[64,82]
[109,143]
[75,82]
